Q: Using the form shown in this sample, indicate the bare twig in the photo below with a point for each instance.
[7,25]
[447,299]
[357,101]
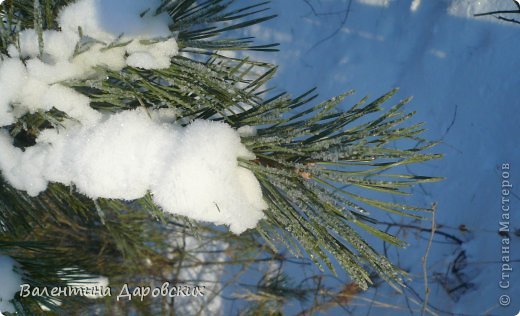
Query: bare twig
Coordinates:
[336,31]
[508,20]
[497,12]
[423,229]
[452,121]
[425,262]
[517,3]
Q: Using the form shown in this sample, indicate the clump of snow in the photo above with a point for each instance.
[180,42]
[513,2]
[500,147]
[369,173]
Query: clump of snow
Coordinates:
[191,171]
[247,131]
[151,56]
[10,284]
[114,34]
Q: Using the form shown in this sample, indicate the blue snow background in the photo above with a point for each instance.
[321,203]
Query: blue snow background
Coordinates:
[463,72]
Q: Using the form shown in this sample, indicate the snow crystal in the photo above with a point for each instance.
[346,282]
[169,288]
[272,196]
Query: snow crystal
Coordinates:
[192,171]
[11,282]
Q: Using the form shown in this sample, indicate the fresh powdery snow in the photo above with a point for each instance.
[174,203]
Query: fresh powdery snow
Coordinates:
[10,283]
[192,171]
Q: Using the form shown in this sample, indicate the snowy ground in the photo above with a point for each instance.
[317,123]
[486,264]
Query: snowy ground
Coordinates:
[463,73]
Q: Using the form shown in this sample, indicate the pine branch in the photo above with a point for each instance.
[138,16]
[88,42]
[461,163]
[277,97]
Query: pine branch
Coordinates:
[306,159]
[314,163]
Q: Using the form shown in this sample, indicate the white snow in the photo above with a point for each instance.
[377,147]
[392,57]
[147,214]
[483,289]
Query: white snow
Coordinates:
[28,40]
[192,171]
[10,283]
[247,131]
[151,56]
[35,85]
